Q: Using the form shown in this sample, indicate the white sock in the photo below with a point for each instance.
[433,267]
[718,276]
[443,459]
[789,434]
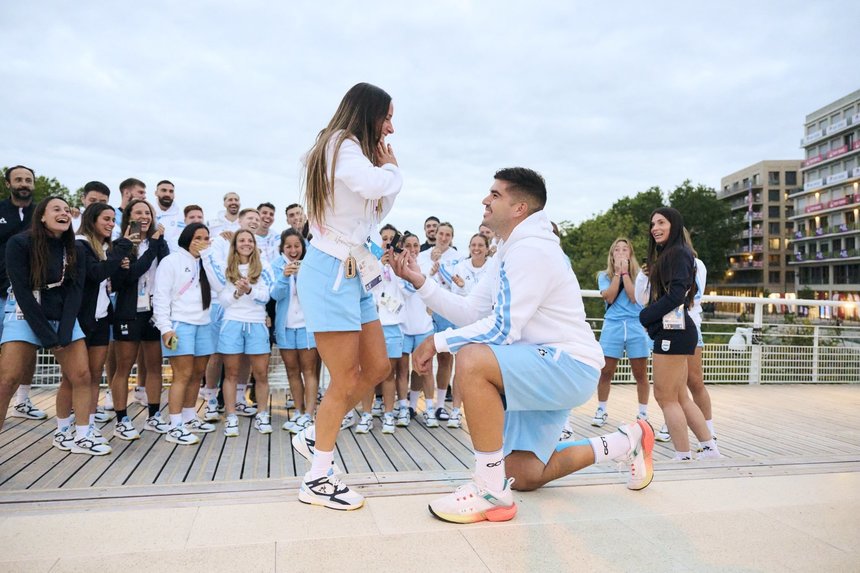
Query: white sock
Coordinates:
[240,393]
[413,399]
[490,470]
[711,445]
[609,447]
[321,463]
[710,424]
[64,423]
[92,419]
[81,431]
[403,404]
[455,411]
[643,409]
[430,405]
[22,393]
[679,456]
[175,420]
[188,414]
[601,406]
[209,393]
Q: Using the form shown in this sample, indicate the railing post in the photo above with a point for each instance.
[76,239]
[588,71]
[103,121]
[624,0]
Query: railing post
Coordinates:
[815,353]
[755,348]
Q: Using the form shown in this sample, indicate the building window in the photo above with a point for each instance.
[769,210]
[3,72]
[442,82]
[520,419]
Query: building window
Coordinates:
[773,228]
[789,277]
[774,245]
[773,195]
[756,179]
[773,178]
[791,177]
[773,259]
[773,277]
[773,212]
[789,211]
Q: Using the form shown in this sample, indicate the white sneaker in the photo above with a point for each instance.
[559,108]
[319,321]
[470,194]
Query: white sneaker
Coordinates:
[97,436]
[403,418]
[108,400]
[641,416]
[103,415]
[302,422]
[211,413]
[87,445]
[290,403]
[566,432]
[330,492]
[263,423]
[663,434]
[139,396]
[348,420]
[26,409]
[388,423]
[125,430]
[63,439]
[198,426]
[471,503]
[430,419]
[681,458]
[708,453]
[305,444]
[376,409]
[365,424]
[156,424]
[641,437]
[180,435]
[243,409]
[599,418]
[455,420]
[290,424]
[231,427]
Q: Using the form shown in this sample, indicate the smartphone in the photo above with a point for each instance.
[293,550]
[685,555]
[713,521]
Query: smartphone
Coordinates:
[173,343]
[134,227]
[395,243]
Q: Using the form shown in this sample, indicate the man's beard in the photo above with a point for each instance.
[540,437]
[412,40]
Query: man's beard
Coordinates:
[22,192]
[165,202]
[232,209]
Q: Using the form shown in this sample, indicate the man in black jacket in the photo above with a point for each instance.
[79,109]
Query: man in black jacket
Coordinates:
[15,215]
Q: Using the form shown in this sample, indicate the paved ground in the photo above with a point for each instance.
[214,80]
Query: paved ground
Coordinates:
[756,523]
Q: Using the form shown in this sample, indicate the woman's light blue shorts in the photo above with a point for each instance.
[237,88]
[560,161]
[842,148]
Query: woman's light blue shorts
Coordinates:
[413,341]
[243,338]
[194,340]
[393,340]
[618,335]
[15,330]
[295,339]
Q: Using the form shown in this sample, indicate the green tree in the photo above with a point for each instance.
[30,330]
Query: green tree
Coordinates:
[710,222]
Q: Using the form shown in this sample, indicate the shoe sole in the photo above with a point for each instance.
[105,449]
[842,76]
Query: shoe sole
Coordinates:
[181,443]
[455,426]
[384,431]
[126,438]
[311,499]
[269,431]
[495,515]
[89,452]
[647,449]
[17,414]
[226,435]
[600,425]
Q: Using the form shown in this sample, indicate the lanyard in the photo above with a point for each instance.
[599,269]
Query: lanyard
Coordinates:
[62,275]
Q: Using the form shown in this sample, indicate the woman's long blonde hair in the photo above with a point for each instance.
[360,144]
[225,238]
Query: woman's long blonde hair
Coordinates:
[255,267]
[359,116]
[633,269]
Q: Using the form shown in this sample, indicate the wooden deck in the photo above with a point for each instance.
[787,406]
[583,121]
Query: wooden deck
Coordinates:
[791,427]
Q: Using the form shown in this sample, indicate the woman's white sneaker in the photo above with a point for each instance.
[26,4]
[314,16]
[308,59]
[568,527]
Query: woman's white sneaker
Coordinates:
[388,423]
[87,445]
[471,503]
[156,424]
[455,420]
[63,439]
[243,409]
[103,415]
[330,492]
[108,400]
[125,430]
[403,418]
[211,414]
[26,409]
[365,424]
[263,423]
[97,436]
[180,435]
[231,427]
[198,426]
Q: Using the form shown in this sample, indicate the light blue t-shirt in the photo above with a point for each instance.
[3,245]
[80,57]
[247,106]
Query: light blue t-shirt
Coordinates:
[623,308]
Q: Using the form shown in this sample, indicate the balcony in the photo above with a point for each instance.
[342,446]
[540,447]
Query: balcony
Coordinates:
[744,202]
[826,256]
[828,206]
[747,265]
[832,155]
[756,232]
[822,232]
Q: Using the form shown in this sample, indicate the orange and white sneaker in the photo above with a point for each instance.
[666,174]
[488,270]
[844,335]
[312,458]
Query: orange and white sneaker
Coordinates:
[641,436]
[471,503]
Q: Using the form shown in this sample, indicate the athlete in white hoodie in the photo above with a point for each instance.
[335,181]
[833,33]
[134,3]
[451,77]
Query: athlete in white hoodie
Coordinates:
[180,310]
[525,357]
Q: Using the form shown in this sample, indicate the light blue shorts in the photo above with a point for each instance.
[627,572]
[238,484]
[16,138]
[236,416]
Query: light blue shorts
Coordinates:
[295,339]
[542,384]
[441,323]
[15,330]
[331,302]
[413,341]
[393,340]
[618,335]
[243,338]
[216,321]
[194,340]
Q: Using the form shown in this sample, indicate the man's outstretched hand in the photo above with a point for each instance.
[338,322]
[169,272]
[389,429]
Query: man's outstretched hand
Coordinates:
[406,267]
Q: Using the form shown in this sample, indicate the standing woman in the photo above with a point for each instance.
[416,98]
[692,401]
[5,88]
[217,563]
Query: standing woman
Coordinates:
[672,279]
[466,275]
[438,263]
[181,313]
[621,329]
[351,180]
[102,258]
[132,327]
[244,289]
[47,278]
[296,344]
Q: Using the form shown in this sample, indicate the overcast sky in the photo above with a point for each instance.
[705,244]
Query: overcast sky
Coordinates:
[604,101]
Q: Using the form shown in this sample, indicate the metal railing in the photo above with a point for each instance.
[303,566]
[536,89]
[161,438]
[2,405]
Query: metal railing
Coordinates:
[737,351]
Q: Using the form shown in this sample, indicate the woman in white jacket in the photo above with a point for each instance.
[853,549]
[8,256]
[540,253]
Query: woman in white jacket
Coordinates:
[351,180]
[244,290]
[181,313]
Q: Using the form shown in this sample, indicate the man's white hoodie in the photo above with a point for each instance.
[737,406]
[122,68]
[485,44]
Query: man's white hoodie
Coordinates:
[530,295]
[177,296]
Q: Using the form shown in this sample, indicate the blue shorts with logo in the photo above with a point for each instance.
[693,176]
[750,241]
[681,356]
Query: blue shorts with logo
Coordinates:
[244,338]
[194,340]
[393,340]
[330,301]
[542,384]
[295,339]
[619,335]
[18,330]
[413,341]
